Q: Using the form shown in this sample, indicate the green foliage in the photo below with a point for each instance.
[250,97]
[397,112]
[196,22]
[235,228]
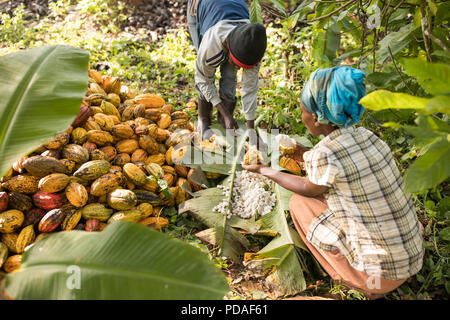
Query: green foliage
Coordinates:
[433,166]
[125,261]
[42,93]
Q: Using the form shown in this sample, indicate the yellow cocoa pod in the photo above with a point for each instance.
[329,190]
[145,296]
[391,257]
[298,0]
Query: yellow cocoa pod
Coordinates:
[75,153]
[162,135]
[109,151]
[97,154]
[99,137]
[169,156]
[212,175]
[152,130]
[95,99]
[164,121]
[177,115]
[58,141]
[95,110]
[105,184]
[94,74]
[110,109]
[140,121]
[91,170]
[182,171]
[91,125]
[153,114]
[79,135]
[139,155]
[291,165]
[54,182]
[127,215]
[105,122]
[139,111]
[167,108]
[178,154]
[115,119]
[151,185]
[96,88]
[114,99]
[122,131]
[3,253]
[11,220]
[148,144]
[146,209]
[22,183]
[112,84]
[156,158]
[191,105]
[156,223]
[127,146]
[10,240]
[149,100]
[128,113]
[134,174]
[121,159]
[12,263]
[169,169]
[25,238]
[170,178]
[71,220]
[76,194]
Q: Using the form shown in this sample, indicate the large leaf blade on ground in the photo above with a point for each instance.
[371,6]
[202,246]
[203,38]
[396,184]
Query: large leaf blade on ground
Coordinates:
[125,261]
[42,90]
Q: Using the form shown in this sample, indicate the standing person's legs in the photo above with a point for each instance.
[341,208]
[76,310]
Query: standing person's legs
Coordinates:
[303,210]
[192,22]
[227,89]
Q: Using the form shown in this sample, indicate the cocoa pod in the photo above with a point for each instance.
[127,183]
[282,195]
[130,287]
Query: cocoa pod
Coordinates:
[20,201]
[82,117]
[22,183]
[11,220]
[54,182]
[76,194]
[47,201]
[51,220]
[92,225]
[40,166]
[4,200]
[33,216]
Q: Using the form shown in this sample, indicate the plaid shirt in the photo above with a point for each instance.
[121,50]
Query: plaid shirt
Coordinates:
[370,219]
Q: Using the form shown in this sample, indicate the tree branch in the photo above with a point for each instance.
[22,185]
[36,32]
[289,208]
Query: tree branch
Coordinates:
[398,71]
[345,5]
[423,22]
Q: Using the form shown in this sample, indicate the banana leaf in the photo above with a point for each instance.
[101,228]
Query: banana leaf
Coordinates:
[124,261]
[42,89]
[281,256]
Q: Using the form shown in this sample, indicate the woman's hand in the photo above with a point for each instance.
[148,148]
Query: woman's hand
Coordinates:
[256,168]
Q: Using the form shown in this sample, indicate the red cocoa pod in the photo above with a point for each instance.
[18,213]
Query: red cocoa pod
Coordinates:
[47,201]
[33,217]
[82,116]
[51,220]
[92,225]
[4,200]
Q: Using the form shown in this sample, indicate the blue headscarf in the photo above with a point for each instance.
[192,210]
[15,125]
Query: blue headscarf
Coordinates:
[333,95]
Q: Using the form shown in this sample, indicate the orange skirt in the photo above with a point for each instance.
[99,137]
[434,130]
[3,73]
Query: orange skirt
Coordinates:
[303,210]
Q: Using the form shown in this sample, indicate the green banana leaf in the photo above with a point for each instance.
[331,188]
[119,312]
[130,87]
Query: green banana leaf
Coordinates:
[42,89]
[281,255]
[124,261]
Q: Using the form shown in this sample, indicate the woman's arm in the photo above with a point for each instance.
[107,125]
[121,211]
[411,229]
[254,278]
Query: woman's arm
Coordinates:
[296,184]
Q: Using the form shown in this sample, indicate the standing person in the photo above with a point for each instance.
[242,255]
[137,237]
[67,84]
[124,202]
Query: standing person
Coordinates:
[224,38]
[351,210]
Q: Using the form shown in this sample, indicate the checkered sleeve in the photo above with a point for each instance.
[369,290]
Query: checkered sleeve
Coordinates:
[321,167]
